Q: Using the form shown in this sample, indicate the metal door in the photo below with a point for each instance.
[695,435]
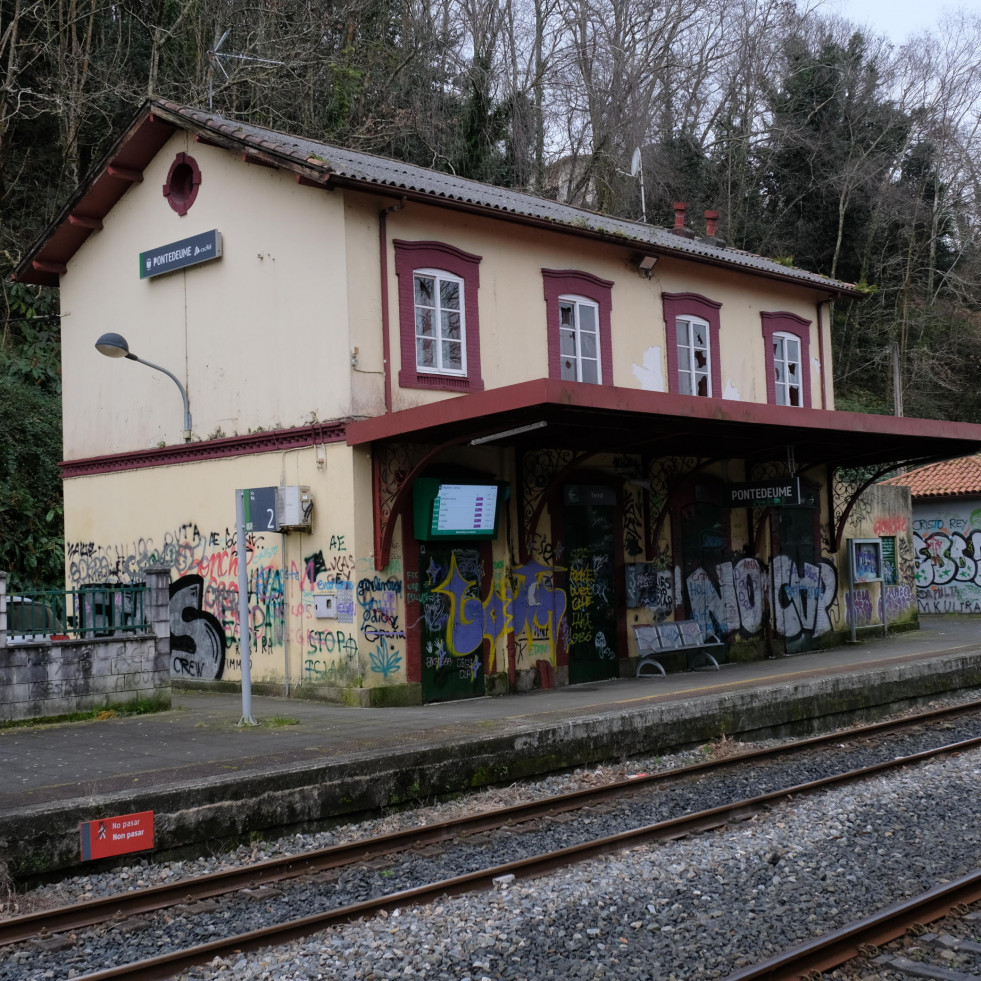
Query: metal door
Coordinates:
[452,622]
[589,533]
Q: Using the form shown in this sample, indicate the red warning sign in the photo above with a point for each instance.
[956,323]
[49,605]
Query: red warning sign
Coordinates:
[116,835]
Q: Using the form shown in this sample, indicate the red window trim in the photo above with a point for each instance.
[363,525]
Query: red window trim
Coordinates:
[181,198]
[410,256]
[692,305]
[787,323]
[566,282]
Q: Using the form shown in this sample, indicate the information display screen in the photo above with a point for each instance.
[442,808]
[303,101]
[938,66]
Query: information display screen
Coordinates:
[443,509]
[461,509]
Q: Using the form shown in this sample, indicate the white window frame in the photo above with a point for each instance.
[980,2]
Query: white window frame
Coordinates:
[576,302]
[686,356]
[781,388]
[440,276]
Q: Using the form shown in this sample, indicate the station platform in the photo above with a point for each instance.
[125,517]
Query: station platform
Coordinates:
[207,779]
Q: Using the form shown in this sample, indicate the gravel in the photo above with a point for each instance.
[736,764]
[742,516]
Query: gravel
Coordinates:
[698,908]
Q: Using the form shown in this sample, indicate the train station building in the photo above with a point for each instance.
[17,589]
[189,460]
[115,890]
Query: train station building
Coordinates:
[502,431]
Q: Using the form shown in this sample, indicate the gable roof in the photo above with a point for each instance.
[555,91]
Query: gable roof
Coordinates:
[949,478]
[322,164]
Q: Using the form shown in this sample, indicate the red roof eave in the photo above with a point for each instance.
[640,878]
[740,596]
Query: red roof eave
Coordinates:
[123,166]
[847,436]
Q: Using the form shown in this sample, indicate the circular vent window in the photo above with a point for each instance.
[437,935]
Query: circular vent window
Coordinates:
[182,184]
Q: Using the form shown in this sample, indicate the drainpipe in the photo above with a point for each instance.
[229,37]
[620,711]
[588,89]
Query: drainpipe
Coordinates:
[287,614]
[820,325]
[383,264]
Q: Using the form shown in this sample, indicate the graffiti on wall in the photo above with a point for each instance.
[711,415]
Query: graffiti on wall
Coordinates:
[735,599]
[197,642]
[378,601]
[525,603]
[947,552]
[944,557]
[946,599]
[651,587]
[204,607]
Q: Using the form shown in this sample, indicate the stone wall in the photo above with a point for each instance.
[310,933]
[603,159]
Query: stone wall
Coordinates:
[42,679]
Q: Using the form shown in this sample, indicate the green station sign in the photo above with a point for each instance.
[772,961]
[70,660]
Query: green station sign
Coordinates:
[765,493]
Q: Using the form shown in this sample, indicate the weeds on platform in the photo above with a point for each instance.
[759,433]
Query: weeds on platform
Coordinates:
[278,721]
[139,706]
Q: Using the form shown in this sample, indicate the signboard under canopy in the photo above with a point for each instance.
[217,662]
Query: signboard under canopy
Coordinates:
[784,492]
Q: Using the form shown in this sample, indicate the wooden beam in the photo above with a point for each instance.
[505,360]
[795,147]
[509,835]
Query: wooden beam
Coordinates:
[84,221]
[58,268]
[125,173]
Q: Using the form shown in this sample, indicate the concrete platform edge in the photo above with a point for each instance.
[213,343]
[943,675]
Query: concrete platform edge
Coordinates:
[39,840]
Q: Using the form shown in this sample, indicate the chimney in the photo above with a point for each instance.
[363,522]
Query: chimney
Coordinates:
[711,224]
[680,207]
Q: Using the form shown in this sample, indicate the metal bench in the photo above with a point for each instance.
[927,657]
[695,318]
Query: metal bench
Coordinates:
[680,637]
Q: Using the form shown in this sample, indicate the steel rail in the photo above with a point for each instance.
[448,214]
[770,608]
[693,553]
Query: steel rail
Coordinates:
[165,965]
[836,948]
[92,912]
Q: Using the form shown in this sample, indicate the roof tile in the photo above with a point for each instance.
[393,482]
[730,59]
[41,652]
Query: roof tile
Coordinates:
[949,478]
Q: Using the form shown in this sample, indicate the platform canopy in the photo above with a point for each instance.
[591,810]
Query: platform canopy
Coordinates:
[594,418]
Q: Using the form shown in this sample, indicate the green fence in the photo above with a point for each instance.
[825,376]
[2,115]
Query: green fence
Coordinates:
[91,611]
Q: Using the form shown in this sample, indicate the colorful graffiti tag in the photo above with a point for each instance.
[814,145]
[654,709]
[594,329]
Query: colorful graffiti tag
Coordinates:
[525,603]
[948,565]
[734,600]
[204,608]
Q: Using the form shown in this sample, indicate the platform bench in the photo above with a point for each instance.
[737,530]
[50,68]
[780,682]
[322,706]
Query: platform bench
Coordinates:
[680,637]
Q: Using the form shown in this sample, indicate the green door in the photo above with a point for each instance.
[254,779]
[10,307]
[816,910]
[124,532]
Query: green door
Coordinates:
[589,533]
[452,622]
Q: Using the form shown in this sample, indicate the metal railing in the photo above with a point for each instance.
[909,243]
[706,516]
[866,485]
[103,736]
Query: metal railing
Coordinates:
[100,610]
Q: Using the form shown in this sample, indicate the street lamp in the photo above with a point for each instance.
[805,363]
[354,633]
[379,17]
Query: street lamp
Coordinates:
[115,346]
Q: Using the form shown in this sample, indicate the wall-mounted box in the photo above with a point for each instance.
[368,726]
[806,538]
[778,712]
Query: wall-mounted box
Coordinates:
[325,607]
[294,506]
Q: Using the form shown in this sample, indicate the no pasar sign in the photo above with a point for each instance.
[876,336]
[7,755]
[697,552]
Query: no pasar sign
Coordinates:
[116,835]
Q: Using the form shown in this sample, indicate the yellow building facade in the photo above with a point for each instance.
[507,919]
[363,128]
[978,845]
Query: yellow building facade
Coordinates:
[506,431]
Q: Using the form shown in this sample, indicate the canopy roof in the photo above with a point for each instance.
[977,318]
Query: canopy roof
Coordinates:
[593,418]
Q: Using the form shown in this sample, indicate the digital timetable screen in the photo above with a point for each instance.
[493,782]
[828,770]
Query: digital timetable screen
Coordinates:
[443,509]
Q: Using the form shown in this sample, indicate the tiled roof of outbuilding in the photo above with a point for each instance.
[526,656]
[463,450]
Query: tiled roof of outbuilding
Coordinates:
[324,163]
[949,478]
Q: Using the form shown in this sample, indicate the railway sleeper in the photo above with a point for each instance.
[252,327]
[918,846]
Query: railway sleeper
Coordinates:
[921,969]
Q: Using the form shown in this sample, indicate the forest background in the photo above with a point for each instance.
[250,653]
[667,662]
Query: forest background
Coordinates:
[821,146]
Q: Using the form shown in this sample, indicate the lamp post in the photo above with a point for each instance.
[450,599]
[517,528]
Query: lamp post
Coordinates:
[115,346]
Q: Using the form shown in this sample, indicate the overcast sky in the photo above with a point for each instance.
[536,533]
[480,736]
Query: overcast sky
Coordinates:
[897,19]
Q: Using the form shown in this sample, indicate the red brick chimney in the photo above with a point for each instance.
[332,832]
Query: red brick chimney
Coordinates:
[680,207]
[711,222]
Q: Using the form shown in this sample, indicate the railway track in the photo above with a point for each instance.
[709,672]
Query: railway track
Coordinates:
[514,821]
[862,940]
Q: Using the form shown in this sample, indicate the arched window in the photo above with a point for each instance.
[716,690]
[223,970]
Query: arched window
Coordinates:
[579,347]
[438,316]
[578,306]
[788,376]
[692,338]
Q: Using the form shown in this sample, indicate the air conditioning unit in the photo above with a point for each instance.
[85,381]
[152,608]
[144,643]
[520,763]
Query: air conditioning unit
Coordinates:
[294,505]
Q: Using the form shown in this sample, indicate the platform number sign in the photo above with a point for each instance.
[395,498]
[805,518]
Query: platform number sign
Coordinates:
[260,509]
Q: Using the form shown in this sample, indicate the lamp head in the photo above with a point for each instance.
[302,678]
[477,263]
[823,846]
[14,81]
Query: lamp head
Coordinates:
[113,346]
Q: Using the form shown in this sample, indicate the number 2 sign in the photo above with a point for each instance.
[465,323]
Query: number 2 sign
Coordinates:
[260,509]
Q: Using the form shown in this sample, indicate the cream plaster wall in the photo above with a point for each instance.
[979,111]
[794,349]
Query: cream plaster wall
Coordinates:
[184,516]
[743,299]
[513,329]
[260,337]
